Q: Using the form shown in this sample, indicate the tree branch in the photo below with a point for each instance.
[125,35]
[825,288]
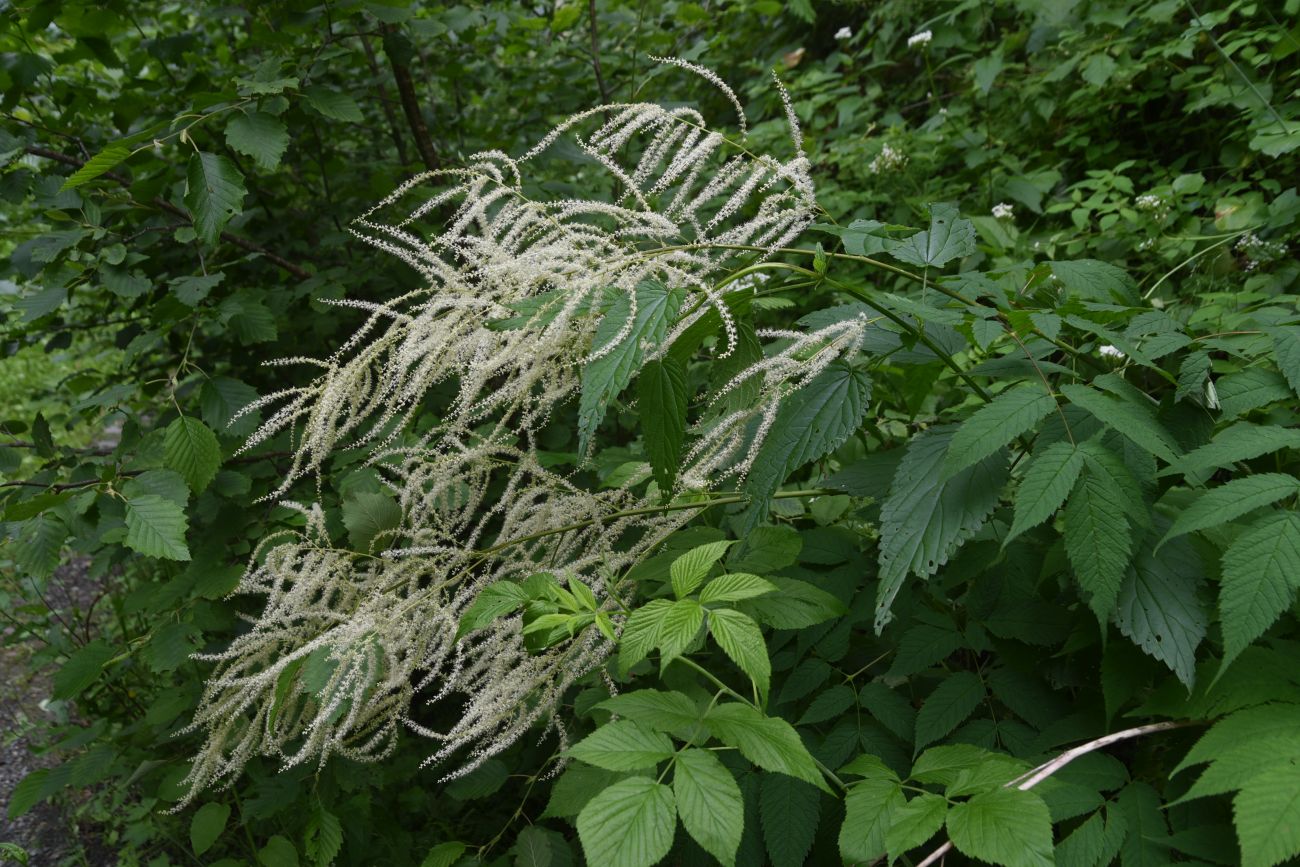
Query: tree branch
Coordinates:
[411,107]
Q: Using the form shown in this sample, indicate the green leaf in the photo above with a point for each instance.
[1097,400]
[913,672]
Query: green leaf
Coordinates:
[575,788]
[889,709]
[1092,280]
[156,527]
[214,193]
[221,398]
[39,544]
[948,238]
[1005,826]
[1266,813]
[81,670]
[742,640]
[1098,541]
[689,570]
[278,852]
[97,165]
[709,803]
[794,605]
[735,586]
[206,826]
[927,516]
[332,104]
[641,633]
[1241,442]
[952,701]
[170,646]
[766,549]
[662,711]
[680,625]
[790,810]
[768,742]
[869,810]
[367,516]
[1159,606]
[1134,420]
[1219,505]
[1261,572]
[630,824]
[810,424]
[1286,347]
[444,855]
[1010,414]
[623,746]
[661,394]
[914,823]
[191,449]
[533,847]
[494,600]
[259,135]
[1045,485]
[191,290]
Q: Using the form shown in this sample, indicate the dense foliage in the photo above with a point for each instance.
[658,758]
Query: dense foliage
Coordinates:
[1048,492]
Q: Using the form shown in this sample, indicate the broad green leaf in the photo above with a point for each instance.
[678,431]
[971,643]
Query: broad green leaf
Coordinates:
[630,824]
[1045,485]
[810,424]
[927,516]
[1286,347]
[949,237]
[533,847]
[742,640]
[735,586]
[97,165]
[790,810]
[1159,606]
[1134,420]
[1092,280]
[709,803]
[623,746]
[1231,500]
[444,855]
[869,810]
[278,852]
[332,104]
[492,602]
[1193,373]
[620,348]
[169,646]
[576,787]
[214,193]
[81,670]
[191,449]
[1239,763]
[680,624]
[1261,573]
[1010,414]
[661,711]
[1098,541]
[828,705]
[1262,723]
[36,550]
[794,605]
[768,742]
[168,484]
[1241,442]
[370,518]
[914,823]
[1005,826]
[1267,816]
[641,633]
[661,394]
[156,527]
[221,398]
[766,549]
[1250,389]
[191,290]
[889,709]
[206,826]
[952,701]
[30,791]
[689,570]
[259,135]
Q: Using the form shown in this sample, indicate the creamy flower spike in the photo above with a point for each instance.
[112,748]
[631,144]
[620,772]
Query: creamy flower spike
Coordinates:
[351,647]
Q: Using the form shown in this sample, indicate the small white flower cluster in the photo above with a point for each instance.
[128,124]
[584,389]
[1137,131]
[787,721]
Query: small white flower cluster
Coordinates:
[922,39]
[1003,211]
[1258,251]
[1155,205]
[889,159]
[1109,351]
[844,33]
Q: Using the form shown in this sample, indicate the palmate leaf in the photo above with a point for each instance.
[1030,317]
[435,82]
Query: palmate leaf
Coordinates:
[709,803]
[214,193]
[629,824]
[949,237]
[790,810]
[1232,500]
[811,423]
[1045,485]
[1006,826]
[1010,414]
[1261,573]
[926,516]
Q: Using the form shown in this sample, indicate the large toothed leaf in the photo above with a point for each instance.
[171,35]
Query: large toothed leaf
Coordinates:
[661,390]
[191,449]
[629,824]
[1098,540]
[102,162]
[623,746]
[156,527]
[259,135]
[1010,414]
[1159,605]
[1241,442]
[1261,573]
[1006,826]
[214,193]
[709,803]
[949,237]
[1134,420]
[1232,500]
[768,742]
[1045,485]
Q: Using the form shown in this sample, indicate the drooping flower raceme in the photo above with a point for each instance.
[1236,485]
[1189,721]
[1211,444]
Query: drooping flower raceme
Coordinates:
[521,296]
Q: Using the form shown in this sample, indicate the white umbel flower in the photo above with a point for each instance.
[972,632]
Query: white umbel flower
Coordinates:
[1108,351]
[1003,211]
[844,33]
[923,39]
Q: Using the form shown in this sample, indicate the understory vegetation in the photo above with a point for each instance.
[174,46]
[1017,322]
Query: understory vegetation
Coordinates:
[623,433]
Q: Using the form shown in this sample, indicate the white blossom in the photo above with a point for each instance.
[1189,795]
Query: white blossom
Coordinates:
[1003,211]
[844,33]
[923,38]
[1108,351]
[889,159]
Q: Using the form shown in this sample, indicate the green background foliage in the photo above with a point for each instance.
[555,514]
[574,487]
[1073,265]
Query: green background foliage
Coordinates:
[1055,498]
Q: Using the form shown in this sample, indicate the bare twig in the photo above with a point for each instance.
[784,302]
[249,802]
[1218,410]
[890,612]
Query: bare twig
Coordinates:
[411,108]
[385,102]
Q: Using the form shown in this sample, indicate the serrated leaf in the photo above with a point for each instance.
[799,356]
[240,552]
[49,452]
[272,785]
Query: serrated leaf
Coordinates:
[623,746]
[1250,389]
[766,549]
[207,824]
[949,237]
[690,569]
[1159,605]
[1012,413]
[214,193]
[81,670]
[1231,500]
[191,449]
[1286,348]
[367,516]
[742,640]
[661,395]
[914,823]
[733,587]
[768,742]
[220,399]
[444,855]
[1098,541]
[927,516]
[889,709]
[641,633]
[332,104]
[38,544]
[1135,421]
[156,527]
[259,135]
[97,165]
[1266,813]
[494,600]
[828,705]
[869,810]
[810,424]
[191,290]
[278,852]
[533,847]
[709,803]
[576,787]
[952,701]
[1045,485]
[1093,280]
[678,628]
[661,711]
[1241,442]
[789,810]
[1261,572]
[1005,826]
[630,824]
[794,605]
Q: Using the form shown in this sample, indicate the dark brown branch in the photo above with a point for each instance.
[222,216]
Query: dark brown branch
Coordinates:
[595,53]
[385,102]
[411,108]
